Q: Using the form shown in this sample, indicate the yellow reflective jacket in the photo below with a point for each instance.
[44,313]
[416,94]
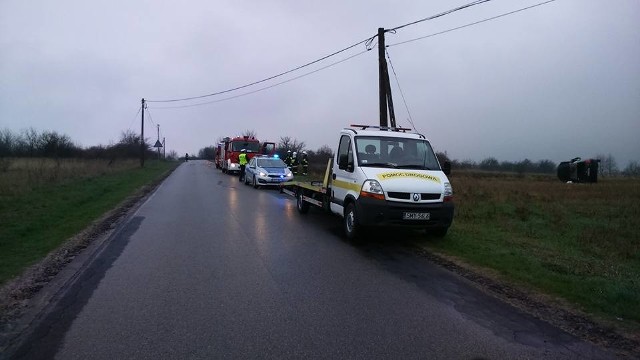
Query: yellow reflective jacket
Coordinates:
[242,159]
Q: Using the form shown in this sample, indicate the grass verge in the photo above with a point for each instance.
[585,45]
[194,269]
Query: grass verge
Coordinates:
[37,220]
[580,242]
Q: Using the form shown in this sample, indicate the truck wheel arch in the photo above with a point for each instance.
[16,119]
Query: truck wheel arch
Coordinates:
[351,227]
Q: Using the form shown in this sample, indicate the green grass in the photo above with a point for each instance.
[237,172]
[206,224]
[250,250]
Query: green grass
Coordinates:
[580,242]
[40,217]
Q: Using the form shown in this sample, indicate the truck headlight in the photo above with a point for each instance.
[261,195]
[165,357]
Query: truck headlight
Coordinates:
[372,189]
[448,192]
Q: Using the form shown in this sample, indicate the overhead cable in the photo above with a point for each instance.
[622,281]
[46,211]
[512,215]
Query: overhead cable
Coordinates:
[134,118]
[474,3]
[270,77]
[264,88]
[149,115]
[400,88]
[470,24]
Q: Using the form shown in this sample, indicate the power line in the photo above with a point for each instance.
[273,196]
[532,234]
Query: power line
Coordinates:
[134,119]
[270,77]
[441,14]
[149,115]
[471,24]
[400,88]
[264,88]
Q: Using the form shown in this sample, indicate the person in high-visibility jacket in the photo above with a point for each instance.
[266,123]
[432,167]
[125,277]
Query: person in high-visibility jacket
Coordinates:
[294,163]
[305,163]
[242,160]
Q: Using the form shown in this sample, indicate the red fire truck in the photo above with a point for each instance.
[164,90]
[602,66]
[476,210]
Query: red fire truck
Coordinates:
[229,149]
[219,158]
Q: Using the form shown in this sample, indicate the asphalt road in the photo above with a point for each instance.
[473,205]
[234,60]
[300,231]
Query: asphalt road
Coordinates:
[209,268]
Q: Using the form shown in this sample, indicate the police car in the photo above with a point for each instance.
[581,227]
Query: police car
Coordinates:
[266,171]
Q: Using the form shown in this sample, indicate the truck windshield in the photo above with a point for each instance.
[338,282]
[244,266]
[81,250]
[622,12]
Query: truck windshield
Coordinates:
[380,151]
[249,146]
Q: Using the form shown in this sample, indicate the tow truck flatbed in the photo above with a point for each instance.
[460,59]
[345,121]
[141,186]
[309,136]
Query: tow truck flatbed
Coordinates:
[315,192]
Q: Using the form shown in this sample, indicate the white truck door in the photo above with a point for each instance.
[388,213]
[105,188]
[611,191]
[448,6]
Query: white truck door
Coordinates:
[344,179]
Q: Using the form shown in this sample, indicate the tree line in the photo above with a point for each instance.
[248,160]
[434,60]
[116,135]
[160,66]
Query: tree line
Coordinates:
[31,143]
[607,165]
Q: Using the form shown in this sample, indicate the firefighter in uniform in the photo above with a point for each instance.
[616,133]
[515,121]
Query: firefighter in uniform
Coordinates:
[294,163]
[305,163]
[287,159]
[242,160]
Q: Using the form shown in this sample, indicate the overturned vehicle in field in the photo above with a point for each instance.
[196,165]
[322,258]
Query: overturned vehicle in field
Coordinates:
[579,171]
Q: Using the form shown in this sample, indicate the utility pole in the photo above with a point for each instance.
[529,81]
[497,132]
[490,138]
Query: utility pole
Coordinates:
[386,100]
[142,136]
[164,149]
[158,141]
[381,83]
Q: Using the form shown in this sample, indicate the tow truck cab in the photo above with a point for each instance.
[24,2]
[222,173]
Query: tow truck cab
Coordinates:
[389,177]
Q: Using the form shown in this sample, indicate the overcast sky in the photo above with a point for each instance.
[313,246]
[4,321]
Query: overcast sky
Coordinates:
[553,82]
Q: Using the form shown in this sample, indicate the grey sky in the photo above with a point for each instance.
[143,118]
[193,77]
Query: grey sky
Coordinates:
[553,82]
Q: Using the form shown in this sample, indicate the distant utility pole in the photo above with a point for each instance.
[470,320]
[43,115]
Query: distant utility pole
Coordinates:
[164,149]
[142,136]
[386,100]
[158,141]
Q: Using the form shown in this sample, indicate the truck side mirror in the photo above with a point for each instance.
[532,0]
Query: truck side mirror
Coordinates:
[343,162]
[446,168]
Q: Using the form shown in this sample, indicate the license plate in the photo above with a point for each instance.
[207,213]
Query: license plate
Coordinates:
[415,216]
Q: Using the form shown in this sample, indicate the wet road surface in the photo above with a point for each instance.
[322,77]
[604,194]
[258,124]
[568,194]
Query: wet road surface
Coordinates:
[209,268]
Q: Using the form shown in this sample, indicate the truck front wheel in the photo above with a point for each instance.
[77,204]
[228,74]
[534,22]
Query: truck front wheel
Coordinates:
[351,226]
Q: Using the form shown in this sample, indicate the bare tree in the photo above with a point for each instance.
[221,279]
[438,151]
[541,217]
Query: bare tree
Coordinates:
[287,143]
[7,142]
[324,151]
[632,169]
[172,155]
[608,165]
[31,137]
[489,163]
[250,133]
[129,137]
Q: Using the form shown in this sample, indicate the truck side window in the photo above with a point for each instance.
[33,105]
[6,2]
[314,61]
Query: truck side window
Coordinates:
[345,154]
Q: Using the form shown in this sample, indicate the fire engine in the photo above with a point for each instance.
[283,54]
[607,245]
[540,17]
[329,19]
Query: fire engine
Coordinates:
[229,149]
[219,159]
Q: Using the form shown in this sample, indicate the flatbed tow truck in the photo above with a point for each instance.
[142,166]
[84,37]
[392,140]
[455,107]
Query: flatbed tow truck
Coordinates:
[379,177]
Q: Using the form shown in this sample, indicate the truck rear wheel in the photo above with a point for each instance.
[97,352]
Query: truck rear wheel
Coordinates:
[351,227]
[303,206]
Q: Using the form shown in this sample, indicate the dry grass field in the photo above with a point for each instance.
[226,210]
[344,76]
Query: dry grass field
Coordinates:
[19,175]
[577,241]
